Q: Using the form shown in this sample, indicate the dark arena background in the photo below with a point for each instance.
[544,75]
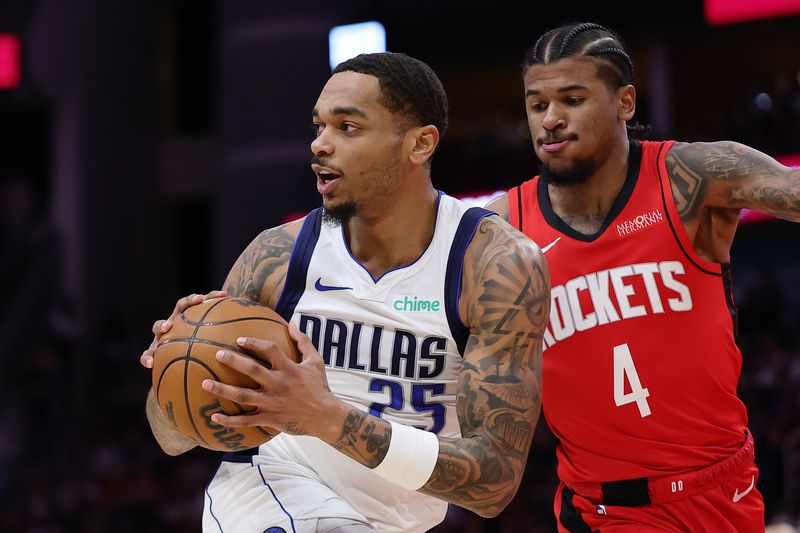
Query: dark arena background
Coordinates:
[143,145]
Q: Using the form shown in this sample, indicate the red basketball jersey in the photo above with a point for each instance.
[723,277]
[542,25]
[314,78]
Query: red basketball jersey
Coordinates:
[640,363]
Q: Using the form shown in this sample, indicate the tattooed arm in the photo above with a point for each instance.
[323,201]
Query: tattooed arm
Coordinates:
[260,271]
[505,301]
[711,182]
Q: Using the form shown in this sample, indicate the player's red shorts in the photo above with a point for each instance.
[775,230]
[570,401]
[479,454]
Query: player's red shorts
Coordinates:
[720,498]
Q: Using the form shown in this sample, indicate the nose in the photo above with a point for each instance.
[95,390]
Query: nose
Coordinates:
[554,118]
[322,145]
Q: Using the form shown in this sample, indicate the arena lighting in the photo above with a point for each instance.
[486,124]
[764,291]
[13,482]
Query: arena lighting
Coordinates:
[719,12]
[9,61]
[345,42]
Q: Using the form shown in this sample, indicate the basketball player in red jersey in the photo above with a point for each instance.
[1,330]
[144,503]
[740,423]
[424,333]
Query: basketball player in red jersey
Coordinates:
[641,366]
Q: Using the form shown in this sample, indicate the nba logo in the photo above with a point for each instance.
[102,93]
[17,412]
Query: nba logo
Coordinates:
[601,509]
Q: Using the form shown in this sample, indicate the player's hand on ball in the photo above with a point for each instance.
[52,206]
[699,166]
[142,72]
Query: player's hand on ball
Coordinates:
[162,326]
[292,397]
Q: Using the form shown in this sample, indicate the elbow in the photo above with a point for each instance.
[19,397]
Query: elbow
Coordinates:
[491,510]
[173,452]
[498,500]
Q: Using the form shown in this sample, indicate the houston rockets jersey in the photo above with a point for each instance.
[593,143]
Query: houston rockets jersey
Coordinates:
[640,367]
[392,347]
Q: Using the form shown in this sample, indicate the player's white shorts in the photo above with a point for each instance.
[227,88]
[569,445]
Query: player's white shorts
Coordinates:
[243,498]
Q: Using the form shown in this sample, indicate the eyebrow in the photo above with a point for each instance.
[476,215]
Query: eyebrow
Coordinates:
[349,110]
[566,89]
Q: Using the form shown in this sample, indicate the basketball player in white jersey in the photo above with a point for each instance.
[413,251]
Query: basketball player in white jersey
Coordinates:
[420,321]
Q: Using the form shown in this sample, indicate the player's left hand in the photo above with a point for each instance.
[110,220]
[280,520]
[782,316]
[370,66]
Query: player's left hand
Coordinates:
[292,397]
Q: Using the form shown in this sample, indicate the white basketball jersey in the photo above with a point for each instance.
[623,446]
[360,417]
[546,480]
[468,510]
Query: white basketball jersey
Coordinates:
[392,347]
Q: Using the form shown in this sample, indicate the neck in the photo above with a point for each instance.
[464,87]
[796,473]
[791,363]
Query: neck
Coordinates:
[395,234]
[584,206]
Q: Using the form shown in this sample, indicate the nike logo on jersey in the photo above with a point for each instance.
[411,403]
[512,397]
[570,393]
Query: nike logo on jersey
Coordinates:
[320,287]
[738,496]
[550,245]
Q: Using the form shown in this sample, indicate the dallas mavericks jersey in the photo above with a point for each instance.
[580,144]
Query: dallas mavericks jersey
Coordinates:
[392,347]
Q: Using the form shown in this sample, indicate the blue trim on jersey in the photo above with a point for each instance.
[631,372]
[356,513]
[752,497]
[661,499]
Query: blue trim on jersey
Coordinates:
[455,267]
[302,250]
[346,247]
[291,520]
[242,456]
[211,501]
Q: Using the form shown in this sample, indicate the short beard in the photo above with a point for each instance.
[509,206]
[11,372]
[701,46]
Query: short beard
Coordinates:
[578,172]
[339,215]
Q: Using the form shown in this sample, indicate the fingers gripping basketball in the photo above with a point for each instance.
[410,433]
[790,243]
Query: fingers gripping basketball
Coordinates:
[186,356]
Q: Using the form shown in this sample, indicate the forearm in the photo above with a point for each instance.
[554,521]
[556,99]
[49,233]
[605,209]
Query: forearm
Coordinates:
[470,472]
[170,439]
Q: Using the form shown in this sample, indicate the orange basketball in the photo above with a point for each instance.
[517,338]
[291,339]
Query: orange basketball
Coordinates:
[186,356]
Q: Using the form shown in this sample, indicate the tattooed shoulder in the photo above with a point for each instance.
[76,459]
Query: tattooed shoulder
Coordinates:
[504,266]
[260,271]
[684,166]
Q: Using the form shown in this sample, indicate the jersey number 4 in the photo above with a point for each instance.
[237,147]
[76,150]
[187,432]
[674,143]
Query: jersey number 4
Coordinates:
[624,369]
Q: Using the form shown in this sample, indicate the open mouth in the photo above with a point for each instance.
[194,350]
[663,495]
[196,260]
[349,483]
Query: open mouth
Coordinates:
[326,178]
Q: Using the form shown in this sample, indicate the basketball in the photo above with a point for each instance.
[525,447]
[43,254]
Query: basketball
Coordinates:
[186,355]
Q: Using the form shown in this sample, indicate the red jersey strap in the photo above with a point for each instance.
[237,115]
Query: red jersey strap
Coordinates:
[515,207]
[518,198]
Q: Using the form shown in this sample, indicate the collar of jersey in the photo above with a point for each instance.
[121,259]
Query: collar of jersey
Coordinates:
[394,275]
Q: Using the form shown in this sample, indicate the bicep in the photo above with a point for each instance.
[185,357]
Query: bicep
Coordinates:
[730,175]
[500,383]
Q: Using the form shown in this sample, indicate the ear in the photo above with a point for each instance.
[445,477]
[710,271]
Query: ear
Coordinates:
[424,142]
[626,102]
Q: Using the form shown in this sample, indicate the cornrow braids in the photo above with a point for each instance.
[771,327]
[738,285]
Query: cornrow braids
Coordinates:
[580,28]
[591,40]
[408,86]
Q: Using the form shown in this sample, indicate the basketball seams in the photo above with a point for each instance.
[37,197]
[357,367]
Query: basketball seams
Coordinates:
[186,368]
[221,325]
[221,322]
[228,347]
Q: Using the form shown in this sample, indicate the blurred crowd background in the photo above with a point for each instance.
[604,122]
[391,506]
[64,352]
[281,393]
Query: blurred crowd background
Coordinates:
[144,144]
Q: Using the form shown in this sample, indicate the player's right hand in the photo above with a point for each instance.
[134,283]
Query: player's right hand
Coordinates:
[162,326]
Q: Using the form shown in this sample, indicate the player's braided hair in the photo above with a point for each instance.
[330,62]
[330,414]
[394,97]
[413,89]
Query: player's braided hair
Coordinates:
[588,39]
[409,86]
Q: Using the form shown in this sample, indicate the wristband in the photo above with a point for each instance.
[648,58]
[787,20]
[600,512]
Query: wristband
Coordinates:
[411,457]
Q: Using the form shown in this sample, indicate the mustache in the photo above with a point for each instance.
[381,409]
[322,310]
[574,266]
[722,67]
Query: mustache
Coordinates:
[554,137]
[321,162]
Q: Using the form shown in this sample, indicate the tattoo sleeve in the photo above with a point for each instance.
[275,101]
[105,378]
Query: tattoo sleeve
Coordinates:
[260,271]
[499,395]
[499,392]
[733,176]
[364,438]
